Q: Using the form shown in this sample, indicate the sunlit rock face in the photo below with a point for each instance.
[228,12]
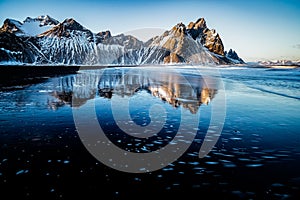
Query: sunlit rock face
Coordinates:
[182,97]
[195,44]
[173,58]
[209,38]
[44,40]
[176,46]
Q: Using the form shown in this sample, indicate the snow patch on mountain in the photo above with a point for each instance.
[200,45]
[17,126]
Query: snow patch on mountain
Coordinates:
[30,26]
[34,28]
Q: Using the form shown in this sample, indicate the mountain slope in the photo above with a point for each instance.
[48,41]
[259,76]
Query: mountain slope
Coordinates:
[69,42]
[195,44]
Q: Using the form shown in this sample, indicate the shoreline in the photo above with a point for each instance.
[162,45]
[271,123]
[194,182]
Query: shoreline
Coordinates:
[14,75]
[17,74]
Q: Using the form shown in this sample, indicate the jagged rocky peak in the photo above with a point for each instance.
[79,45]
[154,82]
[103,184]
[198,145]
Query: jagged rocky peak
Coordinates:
[67,27]
[179,30]
[128,41]
[231,54]
[104,34]
[196,28]
[195,43]
[209,38]
[11,26]
[45,40]
[73,25]
[200,23]
[186,44]
[30,26]
[43,19]
[212,41]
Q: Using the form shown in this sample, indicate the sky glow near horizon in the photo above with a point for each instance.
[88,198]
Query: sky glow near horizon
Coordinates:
[257,30]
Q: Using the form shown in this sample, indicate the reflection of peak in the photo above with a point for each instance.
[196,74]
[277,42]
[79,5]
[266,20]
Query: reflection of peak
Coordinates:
[178,97]
[170,87]
[177,89]
[63,98]
[76,90]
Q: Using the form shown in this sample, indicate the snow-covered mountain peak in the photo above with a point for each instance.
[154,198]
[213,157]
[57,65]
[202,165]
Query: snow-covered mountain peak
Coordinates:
[47,20]
[43,20]
[66,28]
[30,26]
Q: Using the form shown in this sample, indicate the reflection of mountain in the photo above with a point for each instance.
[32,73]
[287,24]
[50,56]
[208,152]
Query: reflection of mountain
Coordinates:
[176,89]
[188,91]
[82,87]
[63,99]
[192,103]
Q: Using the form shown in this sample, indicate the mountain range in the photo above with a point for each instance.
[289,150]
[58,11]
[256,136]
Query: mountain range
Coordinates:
[280,63]
[44,40]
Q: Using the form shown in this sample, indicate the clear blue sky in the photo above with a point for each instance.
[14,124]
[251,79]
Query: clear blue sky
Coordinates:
[257,29]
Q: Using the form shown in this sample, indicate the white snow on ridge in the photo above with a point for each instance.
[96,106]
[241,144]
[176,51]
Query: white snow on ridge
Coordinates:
[33,28]
[15,22]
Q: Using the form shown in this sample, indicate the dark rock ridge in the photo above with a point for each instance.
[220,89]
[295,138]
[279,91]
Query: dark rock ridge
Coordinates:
[44,40]
[11,26]
[44,20]
[65,29]
[231,54]
[101,36]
